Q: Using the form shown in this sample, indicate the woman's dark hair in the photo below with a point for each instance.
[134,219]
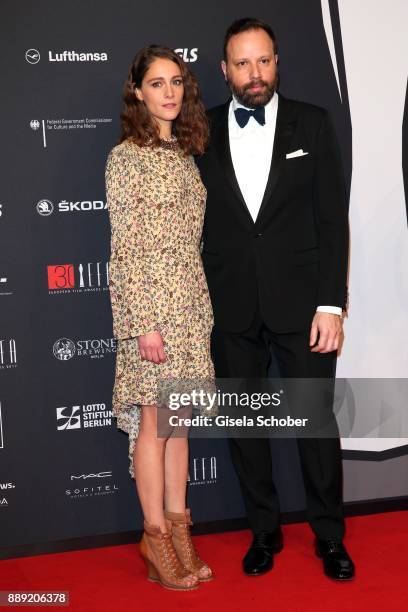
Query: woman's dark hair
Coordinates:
[191,125]
[245,24]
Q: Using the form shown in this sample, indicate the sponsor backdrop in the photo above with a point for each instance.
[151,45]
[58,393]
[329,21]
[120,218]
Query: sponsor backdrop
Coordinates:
[63,463]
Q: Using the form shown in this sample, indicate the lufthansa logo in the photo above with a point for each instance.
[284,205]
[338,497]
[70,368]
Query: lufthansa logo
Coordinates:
[32,56]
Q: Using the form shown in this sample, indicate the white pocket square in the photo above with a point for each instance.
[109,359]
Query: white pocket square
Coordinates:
[298,153]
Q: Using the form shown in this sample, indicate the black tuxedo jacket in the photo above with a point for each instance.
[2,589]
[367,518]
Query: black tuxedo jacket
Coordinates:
[294,257]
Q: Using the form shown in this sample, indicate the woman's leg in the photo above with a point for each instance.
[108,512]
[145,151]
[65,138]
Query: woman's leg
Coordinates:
[149,467]
[176,474]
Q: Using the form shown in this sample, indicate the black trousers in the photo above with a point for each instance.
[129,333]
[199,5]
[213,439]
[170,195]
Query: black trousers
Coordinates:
[247,355]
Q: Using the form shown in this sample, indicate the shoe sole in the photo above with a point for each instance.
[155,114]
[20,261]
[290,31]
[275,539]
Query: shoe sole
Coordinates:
[153,576]
[172,588]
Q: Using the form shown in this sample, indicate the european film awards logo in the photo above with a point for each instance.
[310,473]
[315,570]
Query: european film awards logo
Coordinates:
[88,277]
[8,354]
[61,276]
[203,471]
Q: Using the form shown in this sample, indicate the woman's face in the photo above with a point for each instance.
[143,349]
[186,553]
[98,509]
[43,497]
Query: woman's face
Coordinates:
[162,90]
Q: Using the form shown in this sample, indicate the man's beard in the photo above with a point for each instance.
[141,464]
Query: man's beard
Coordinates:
[253,100]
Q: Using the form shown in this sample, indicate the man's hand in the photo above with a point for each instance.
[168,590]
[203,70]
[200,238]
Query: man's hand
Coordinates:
[329,327]
[151,347]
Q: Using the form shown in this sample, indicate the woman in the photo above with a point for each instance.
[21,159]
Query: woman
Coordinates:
[162,314]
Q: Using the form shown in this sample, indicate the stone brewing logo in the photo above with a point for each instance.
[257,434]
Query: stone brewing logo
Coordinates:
[95,348]
[63,349]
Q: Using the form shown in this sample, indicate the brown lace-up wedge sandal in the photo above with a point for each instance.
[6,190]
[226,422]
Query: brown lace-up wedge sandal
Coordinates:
[180,523]
[163,564]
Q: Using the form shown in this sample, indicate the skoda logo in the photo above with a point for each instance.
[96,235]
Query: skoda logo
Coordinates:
[45,207]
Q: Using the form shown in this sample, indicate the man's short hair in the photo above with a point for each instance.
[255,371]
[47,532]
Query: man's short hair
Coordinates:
[245,24]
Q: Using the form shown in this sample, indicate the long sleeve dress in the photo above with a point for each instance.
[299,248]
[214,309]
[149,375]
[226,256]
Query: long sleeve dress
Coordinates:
[156,204]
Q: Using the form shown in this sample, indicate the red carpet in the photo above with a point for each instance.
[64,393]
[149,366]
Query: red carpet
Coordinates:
[113,578]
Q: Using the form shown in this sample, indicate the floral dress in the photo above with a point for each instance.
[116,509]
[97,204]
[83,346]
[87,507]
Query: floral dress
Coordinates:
[156,204]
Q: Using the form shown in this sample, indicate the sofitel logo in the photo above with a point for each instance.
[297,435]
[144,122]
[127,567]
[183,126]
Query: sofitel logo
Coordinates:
[83,416]
[94,489]
[204,471]
[8,354]
[81,278]
[96,348]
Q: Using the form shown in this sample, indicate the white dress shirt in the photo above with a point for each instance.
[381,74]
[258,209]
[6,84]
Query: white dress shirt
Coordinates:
[251,152]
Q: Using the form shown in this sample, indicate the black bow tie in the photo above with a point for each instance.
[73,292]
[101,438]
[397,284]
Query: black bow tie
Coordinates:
[242,115]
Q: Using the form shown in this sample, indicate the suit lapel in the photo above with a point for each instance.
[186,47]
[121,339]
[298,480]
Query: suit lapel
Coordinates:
[285,127]
[220,140]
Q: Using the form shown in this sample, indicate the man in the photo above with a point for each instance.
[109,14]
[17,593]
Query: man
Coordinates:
[275,249]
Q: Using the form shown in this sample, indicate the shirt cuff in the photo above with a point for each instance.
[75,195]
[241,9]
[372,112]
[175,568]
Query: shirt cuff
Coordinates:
[332,309]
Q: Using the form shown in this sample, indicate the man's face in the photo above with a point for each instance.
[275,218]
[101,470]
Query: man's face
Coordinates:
[251,67]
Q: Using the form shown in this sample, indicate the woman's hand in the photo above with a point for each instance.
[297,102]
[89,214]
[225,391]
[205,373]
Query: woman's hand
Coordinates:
[151,347]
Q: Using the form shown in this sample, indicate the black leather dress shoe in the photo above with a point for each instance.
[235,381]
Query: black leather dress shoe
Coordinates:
[259,558]
[337,563]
